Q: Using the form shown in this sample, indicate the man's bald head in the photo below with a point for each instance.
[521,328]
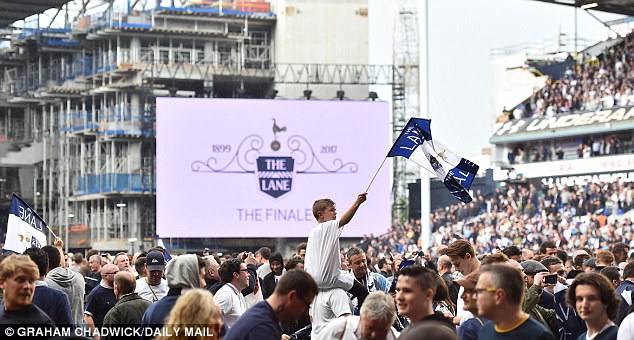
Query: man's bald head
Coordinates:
[211,268]
[109,268]
[210,260]
[444,262]
[108,272]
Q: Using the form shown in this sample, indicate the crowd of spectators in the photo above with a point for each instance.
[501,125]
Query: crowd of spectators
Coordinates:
[595,83]
[592,146]
[520,214]
[384,287]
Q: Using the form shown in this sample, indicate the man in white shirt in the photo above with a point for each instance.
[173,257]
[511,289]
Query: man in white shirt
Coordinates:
[153,287]
[375,322]
[323,262]
[233,272]
[328,305]
[262,255]
[626,329]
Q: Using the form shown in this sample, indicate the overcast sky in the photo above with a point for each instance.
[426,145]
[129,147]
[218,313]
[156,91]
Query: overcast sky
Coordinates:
[461,36]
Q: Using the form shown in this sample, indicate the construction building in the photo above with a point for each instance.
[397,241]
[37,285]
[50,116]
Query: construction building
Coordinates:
[77,99]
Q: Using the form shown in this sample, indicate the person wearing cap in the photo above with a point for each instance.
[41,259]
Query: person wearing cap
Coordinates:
[153,287]
[555,267]
[589,265]
[567,323]
[533,276]
[470,328]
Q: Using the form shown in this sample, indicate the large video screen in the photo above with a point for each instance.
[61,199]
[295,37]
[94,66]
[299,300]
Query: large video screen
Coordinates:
[253,168]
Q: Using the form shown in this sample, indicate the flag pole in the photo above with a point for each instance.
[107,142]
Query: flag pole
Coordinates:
[376,173]
[51,231]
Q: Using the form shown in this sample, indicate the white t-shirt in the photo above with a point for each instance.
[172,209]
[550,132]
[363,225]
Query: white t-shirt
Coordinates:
[335,330]
[263,270]
[460,311]
[151,293]
[328,305]
[253,298]
[322,260]
[626,329]
[232,303]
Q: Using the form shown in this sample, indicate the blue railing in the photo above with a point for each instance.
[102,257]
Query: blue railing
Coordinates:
[248,8]
[111,122]
[27,32]
[113,183]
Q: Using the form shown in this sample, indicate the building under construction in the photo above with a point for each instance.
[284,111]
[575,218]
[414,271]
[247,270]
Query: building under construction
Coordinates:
[77,99]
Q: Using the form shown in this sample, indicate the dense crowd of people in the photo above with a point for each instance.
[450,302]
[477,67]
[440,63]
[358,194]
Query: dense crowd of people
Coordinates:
[595,83]
[522,263]
[577,216]
[591,84]
[592,146]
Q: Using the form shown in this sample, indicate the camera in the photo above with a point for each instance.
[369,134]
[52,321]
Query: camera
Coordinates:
[245,255]
[550,279]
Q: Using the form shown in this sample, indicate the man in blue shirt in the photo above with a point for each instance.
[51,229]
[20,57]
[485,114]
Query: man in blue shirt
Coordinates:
[499,292]
[101,299]
[292,297]
[53,302]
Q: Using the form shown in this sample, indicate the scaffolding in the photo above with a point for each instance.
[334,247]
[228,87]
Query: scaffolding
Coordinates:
[77,106]
[405,94]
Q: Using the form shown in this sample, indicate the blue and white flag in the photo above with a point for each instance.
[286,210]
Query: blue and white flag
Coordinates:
[25,229]
[416,144]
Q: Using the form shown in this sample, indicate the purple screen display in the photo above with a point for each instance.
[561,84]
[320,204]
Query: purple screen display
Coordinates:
[253,168]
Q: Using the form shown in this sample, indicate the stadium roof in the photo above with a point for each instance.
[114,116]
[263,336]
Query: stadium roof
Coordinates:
[13,10]
[612,6]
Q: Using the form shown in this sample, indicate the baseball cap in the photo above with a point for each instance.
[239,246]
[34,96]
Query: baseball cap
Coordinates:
[532,267]
[468,281]
[155,261]
[591,262]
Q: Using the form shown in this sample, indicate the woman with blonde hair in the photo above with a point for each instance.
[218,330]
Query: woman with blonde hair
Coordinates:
[195,316]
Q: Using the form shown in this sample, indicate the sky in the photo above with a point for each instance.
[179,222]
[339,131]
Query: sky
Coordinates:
[461,36]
